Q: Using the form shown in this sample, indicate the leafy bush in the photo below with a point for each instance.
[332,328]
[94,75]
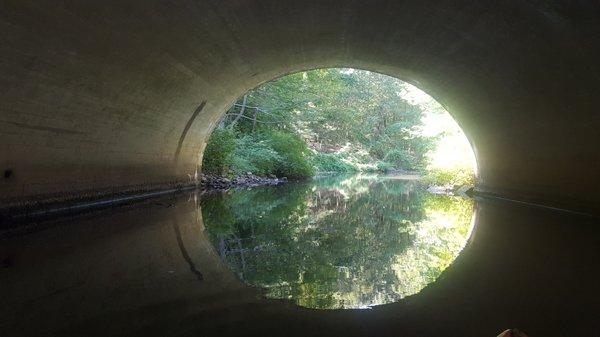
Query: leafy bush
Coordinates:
[457,176]
[219,152]
[330,162]
[294,154]
[400,159]
[274,152]
[383,166]
[254,154]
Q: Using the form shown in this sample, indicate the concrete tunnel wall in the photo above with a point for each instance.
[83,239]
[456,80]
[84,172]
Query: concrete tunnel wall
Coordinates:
[109,95]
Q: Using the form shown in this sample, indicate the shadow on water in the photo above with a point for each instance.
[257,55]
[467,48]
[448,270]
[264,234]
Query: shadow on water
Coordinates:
[338,242]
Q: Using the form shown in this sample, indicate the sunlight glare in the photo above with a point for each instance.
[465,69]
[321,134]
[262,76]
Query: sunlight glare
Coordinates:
[453,150]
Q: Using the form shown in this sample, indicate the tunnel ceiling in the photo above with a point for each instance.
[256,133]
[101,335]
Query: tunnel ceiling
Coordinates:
[113,95]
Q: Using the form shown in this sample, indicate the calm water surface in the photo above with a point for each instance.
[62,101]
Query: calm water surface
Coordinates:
[155,268]
[338,242]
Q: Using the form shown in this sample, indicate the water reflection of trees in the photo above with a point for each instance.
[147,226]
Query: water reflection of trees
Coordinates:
[337,242]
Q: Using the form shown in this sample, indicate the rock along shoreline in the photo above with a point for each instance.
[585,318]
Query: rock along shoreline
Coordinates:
[213,182]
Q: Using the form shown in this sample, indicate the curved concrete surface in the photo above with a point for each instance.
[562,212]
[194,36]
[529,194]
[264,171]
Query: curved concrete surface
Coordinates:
[107,95]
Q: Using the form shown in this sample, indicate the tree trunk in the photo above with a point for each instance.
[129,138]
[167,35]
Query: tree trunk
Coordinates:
[242,109]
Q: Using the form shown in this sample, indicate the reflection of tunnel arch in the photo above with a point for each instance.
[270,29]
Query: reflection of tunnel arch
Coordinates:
[102,95]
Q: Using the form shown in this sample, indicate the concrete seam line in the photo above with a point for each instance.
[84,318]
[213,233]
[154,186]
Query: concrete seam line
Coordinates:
[187,127]
[90,205]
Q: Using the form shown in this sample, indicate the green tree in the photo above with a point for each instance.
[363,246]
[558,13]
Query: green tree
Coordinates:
[358,117]
[219,151]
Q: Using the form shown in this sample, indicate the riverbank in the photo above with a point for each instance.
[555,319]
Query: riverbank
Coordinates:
[211,182]
[214,182]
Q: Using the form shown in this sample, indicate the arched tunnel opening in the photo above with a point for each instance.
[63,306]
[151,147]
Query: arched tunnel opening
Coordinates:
[304,172]
[112,103]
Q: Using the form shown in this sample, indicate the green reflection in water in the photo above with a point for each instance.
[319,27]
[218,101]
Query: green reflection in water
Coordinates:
[349,242]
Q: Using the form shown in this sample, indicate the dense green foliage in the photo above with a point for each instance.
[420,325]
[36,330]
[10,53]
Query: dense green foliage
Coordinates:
[294,153]
[351,120]
[253,154]
[455,177]
[338,242]
[219,152]
[332,162]
[268,152]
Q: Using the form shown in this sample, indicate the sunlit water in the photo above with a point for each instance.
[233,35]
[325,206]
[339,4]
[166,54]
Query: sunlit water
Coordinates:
[345,242]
